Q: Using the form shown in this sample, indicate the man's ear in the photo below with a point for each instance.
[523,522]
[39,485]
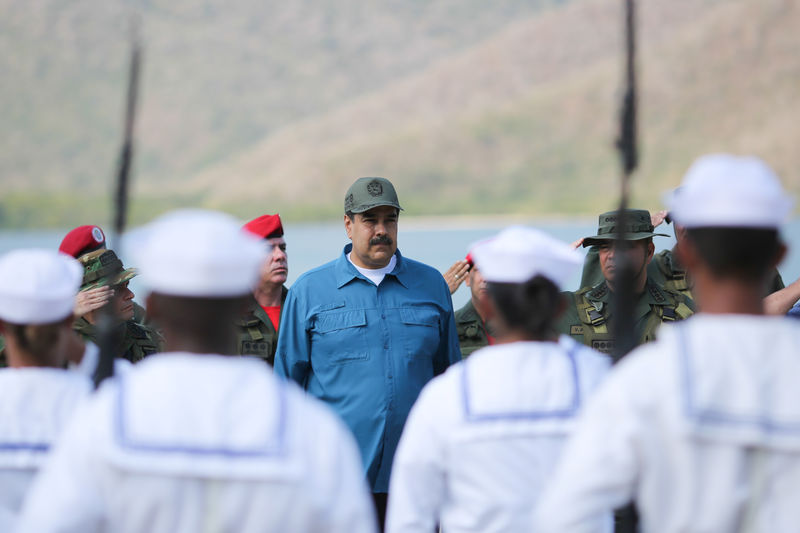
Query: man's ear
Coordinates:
[651,250]
[348,227]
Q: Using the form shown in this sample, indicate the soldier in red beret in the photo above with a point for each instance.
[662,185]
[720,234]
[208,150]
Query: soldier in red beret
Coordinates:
[79,242]
[258,327]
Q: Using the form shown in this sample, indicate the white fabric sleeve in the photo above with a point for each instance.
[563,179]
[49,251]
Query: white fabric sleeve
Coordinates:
[66,495]
[417,486]
[597,471]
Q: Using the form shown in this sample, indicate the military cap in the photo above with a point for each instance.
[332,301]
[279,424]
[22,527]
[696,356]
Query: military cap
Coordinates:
[518,254]
[103,268]
[265,226]
[639,226]
[37,286]
[367,193]
[81,240]
[722,190]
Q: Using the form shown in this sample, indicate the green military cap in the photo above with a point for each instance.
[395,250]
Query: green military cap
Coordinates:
[638,227]
[367,193]
[103,267]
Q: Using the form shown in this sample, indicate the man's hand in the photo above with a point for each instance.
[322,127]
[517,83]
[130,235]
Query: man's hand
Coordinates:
[658,217]
[455,274]
[577,244]
[93,299]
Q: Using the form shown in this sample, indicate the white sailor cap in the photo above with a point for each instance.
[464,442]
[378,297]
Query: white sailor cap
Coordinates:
[38,286]
[721,190]
[199,253]
[518,254]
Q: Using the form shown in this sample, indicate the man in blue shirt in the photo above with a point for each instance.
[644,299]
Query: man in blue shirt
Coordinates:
[365,332]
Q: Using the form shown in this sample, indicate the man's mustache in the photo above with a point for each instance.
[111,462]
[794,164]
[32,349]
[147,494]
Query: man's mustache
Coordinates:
[383,239]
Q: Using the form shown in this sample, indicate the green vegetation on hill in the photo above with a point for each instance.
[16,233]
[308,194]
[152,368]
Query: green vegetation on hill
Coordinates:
[470,107]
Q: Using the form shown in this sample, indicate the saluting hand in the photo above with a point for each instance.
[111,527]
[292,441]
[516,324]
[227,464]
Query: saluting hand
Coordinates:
[88,301]
[455,274]
[657,218]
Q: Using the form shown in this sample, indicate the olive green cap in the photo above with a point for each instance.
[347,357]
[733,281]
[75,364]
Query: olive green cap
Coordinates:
[638,227]
[367,193]
[103,268]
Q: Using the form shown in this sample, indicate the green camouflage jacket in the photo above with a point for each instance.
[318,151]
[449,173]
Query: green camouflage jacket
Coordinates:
[472,332]
[138,340]
[257,336]
[588,314]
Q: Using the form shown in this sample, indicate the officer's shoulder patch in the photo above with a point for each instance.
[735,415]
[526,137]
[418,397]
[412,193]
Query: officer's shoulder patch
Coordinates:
[598,291]
[657,294]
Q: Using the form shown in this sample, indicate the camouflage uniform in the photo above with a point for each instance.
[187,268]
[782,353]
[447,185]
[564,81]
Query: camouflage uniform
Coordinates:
[103,268]
[257,336]
[473,334]
[664,270]
[588,315]
[138,340]
[589,310]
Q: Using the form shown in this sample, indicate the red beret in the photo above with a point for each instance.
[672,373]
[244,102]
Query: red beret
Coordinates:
[81,240]
[266,226]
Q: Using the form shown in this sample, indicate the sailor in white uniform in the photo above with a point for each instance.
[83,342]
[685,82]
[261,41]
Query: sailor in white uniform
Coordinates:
[37,396]
[194,439]
[480,443]
[701,428]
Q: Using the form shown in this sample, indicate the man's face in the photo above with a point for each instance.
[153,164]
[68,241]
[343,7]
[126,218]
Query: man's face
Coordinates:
[374,236]
[276,267]
[638,254]
[477,286]
[123,301]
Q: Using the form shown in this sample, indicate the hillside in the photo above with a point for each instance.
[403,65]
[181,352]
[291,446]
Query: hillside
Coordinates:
[468,109]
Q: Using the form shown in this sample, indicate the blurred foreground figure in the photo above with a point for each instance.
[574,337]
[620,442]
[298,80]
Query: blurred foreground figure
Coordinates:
[481,442]
[174,444]
[37,293]
[701,428]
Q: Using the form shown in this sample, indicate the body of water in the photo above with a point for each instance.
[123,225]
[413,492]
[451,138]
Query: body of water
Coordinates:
[438,243]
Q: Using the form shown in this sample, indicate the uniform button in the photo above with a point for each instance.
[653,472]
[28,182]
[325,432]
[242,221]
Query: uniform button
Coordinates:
[383,316]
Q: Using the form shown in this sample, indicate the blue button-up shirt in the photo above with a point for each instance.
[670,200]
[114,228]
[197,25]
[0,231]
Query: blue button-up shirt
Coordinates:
[368,350]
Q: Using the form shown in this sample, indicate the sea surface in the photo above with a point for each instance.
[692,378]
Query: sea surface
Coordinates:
[437,242]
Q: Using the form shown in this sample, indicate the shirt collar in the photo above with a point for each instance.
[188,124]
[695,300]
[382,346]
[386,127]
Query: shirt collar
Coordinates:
[346,272]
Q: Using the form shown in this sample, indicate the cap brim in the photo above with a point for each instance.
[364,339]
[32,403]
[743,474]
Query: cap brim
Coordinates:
[600,239]
[372,206]
[111,281]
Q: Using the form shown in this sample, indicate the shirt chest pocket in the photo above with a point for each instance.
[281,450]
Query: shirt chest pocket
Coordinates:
[341,335]
[420,331]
